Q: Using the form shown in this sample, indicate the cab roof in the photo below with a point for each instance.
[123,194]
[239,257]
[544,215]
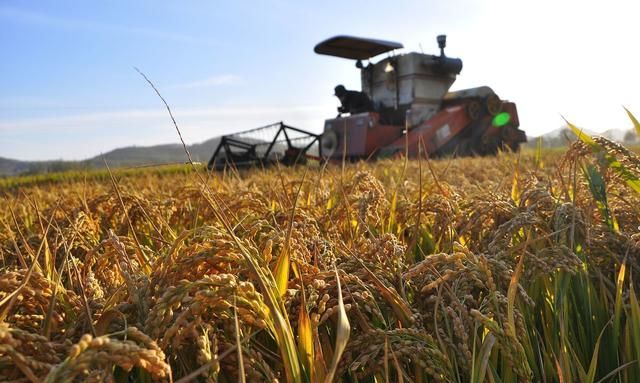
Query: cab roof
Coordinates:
[355,48]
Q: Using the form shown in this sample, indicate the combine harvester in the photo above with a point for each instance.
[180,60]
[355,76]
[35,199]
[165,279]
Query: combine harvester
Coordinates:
[404,107]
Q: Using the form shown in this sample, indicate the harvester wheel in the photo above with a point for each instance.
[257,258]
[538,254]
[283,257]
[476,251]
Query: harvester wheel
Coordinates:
[510,138]
[464,148]
[493,104]
[473,110]
[329,143]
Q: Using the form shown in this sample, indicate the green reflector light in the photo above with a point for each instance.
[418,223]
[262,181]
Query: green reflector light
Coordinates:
[501,119]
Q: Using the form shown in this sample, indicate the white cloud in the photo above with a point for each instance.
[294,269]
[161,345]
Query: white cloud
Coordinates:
[34,18]
[81,136]
[21,102]
[131,116]
[213,81]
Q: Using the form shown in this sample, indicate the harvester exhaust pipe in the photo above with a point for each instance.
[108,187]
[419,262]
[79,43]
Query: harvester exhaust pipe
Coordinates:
[447,65]
[442,43]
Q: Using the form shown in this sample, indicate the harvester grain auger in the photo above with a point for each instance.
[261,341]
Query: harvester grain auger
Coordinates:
[405,107]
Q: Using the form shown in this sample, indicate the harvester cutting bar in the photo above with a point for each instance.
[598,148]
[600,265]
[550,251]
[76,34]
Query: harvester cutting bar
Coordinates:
[264,146]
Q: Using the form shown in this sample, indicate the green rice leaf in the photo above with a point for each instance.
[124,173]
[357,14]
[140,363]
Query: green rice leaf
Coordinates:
[634,120]
[591,374]
[342,333]
[582,136]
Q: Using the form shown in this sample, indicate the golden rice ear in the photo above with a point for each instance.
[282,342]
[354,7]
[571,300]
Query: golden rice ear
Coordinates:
[401,272]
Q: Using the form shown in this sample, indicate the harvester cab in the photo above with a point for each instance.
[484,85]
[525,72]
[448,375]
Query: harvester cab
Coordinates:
[410,95]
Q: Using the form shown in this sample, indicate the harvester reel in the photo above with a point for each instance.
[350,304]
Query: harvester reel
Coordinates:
[493,104]
[264,146]
[329,143]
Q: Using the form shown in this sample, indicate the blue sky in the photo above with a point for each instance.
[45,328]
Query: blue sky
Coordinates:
[68,88]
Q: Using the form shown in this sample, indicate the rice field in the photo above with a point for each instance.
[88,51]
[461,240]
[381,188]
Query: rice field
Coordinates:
[518,268]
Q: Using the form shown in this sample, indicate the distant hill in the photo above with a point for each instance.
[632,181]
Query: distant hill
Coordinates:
[8,166]
[123,157]
[133,156]
[153,155]
[563,136]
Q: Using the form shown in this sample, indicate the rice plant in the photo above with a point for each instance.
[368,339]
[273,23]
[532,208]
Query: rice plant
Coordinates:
[522,267]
